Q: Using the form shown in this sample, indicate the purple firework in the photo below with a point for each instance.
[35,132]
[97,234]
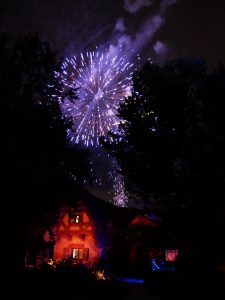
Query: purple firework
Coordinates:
[102,80]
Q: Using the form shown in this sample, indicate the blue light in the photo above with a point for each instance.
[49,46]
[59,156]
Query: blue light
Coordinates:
[162,265]
[131,280]
[155,266]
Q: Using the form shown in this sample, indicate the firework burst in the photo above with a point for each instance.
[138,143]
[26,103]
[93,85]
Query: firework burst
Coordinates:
[102,81]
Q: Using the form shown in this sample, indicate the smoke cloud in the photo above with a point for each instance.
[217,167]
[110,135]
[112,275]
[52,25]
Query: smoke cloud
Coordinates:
[160,48]
[146,31]
[133,6]
[120,25]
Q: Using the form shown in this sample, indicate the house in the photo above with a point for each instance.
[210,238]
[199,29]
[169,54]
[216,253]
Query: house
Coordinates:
[95,231]
[141,244]
[77,234]
[81,231]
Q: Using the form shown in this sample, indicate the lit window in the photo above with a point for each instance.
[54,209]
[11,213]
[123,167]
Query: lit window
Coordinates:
[80,253]
[75,218]
[77,253]
[171,255]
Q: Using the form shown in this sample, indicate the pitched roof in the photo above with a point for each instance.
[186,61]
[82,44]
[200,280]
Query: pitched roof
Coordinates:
[144,220]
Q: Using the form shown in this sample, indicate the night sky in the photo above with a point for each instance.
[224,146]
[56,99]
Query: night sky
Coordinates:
[156,29]
[182,28]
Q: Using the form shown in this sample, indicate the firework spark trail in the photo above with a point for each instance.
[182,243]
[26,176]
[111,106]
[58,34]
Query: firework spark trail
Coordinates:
[103,81]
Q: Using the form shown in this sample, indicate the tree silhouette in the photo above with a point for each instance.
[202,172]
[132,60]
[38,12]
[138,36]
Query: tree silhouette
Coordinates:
[170,142]
[39,168]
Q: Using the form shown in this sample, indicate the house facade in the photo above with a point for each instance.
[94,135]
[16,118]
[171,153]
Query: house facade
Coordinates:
[75,236]
[81,231]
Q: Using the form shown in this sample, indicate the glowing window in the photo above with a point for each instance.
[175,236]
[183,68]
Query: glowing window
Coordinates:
[80,253]
[75,218]
[171,255]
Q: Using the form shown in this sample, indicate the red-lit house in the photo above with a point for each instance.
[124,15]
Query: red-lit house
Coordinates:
[82,232]
[94,230]
[75,235]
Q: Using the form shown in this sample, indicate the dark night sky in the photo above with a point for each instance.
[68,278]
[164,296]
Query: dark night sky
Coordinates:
[190,27]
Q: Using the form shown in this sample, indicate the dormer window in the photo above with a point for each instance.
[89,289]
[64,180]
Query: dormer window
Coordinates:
[75,217]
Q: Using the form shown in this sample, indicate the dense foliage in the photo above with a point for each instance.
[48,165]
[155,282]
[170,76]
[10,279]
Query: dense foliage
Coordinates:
[170,146]
[36,157]
[170,142]
[39,168]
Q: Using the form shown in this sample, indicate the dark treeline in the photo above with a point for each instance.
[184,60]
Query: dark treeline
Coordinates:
[171,146]
[38,165]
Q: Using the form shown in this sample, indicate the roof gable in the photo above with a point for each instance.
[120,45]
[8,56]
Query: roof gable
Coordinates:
[144,220]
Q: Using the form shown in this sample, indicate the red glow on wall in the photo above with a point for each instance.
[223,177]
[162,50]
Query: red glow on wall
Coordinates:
[75,237]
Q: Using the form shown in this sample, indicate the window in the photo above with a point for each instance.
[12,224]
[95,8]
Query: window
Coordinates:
[75,218]
[171,255]
[80,253]
[77,253]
